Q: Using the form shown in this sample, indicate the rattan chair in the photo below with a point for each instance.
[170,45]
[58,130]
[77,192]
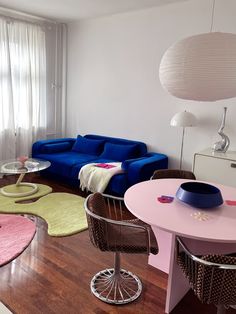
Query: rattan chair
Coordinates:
[173,173]
[109,231]
[212,277]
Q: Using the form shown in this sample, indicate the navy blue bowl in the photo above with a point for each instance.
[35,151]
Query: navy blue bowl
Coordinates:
[198,194]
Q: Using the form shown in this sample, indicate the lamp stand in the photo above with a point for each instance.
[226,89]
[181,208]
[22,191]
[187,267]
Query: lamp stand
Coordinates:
[182,147]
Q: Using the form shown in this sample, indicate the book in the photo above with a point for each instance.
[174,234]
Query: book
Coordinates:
[105,166]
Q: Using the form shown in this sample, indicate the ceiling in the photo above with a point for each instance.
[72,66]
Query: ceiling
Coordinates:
[71,10]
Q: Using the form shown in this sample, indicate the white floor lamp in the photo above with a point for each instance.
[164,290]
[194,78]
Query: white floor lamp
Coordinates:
[183,119]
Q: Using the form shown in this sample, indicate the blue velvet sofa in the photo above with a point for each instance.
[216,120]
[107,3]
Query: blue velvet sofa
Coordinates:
[68,155]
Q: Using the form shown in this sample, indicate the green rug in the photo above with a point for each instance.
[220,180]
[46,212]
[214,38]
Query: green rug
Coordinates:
[63,212]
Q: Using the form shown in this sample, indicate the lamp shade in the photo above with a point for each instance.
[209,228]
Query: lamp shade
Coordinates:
[183,119]
[201,67]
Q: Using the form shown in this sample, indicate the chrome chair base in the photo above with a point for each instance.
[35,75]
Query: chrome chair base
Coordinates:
[115,287]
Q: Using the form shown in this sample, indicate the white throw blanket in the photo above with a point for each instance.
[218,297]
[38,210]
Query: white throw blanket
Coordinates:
[96,179]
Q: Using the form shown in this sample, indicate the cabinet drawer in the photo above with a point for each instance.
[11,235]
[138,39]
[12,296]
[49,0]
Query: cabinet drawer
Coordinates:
[216,170]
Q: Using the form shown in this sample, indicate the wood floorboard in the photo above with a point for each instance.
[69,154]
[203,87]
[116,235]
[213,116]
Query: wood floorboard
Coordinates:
[53,275]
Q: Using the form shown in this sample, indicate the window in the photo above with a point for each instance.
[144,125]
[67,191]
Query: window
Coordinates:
[22,87]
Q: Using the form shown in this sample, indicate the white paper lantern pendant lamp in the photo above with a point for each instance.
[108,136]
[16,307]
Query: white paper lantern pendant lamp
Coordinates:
[201,67]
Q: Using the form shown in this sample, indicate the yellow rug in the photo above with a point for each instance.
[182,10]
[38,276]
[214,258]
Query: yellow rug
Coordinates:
[63,212]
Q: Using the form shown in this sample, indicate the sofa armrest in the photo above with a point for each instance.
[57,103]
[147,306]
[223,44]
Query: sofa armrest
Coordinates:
[142,168]
[52,146]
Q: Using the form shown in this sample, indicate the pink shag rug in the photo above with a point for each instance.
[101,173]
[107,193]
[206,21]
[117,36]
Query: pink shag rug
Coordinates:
[16,233]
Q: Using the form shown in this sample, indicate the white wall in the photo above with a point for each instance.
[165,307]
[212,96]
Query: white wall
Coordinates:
[113,83]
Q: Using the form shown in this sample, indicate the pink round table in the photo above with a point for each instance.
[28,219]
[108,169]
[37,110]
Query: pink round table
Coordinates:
[204,231]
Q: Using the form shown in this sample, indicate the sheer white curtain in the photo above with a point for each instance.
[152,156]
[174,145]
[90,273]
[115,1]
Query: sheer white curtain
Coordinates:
[7,127]
[22,87]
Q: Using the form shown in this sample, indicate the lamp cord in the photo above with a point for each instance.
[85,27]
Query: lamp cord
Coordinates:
[212,15]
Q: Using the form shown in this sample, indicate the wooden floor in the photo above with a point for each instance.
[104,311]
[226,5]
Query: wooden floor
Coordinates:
[53,275]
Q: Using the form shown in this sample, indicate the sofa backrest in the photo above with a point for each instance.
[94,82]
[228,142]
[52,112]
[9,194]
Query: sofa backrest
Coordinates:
[141,147]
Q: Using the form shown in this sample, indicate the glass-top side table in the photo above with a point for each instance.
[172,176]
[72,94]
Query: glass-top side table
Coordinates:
[14,166]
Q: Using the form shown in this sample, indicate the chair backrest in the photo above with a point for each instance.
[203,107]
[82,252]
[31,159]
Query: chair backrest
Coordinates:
[212,277]
[173,173]
[96,212]
[109,228]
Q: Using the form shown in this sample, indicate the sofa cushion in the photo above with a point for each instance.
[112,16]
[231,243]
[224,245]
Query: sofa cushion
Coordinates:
[68,158]
[56,147]
[118,152]
[141,148]
[76,168]
[88,146]
[63,163]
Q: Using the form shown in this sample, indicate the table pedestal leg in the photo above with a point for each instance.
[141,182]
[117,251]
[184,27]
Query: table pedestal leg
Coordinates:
[165,261]
[21,176]
[19,183]
[178,285]
[161,261]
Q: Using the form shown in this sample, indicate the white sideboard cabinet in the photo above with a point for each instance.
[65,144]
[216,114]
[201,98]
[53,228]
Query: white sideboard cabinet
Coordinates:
[215,167]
